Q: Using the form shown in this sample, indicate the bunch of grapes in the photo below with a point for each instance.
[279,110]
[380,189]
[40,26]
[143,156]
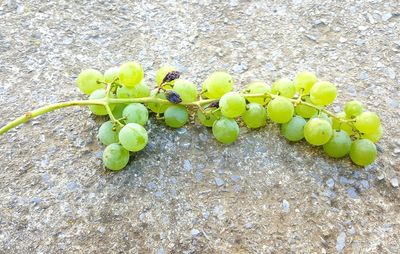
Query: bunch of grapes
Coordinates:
[297,105]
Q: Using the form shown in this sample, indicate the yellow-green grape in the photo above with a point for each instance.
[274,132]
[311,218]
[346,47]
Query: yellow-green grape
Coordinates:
[99,110]
[186,90]
[88,81]
[115,157]
[353,108]
[162,72]
[136,113]
[139,91]
[339,145]
[176,116]
[258,87]
[207,119]
[336,122]
[323,115]
[225,130]
[218,84]
[323,93]
[317,131]
[367,122]
[255,116]
[108,133]
[111,74]
[375,136]
[363,152]
[232,104]
[133,137]
[294,129]
[280,110]
[304,81]
[305,111]
[130,74]
[157,107]
[284,87]
[118,109]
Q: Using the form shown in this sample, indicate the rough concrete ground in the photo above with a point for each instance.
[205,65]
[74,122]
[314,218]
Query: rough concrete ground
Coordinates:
[186,193]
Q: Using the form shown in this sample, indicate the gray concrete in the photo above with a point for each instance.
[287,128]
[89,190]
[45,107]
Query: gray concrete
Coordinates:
[185,193]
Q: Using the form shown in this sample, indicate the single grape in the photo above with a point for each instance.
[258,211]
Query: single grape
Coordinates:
[157,107]
[323,93]
[139,91]
[304,81]
[336,121]
[374,136]
[133,137]
[99,110]
[176,116]
[363,152]
[294,129]
[232,104]
[280,110]
[186,90]
[339,144]
[305,111]
[130,74]
[88,81]
[367,122]
[115,157]
[317,131]
[207,119]
[284,87]
[353,108]
[162,72]
[323,115]
[218,84]
[136,113]
[225,130]
[118,109]
[255,116]
[258,87]
[108,133]
[111,74]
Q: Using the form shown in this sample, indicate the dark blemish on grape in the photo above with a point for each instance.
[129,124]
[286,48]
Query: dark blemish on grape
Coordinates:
[214,104]
[173,97]
[171,76]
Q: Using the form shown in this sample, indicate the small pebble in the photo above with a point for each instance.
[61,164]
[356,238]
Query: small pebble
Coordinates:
[218,181]
[285,206]
[341,242]
[386,16]
[195,232]
[352,192]
[248,225]
[330,183]
[394,182]
[187,166]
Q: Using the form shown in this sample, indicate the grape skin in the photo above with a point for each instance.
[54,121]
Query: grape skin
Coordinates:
[294,129]
[217,84]
[176,116]
[323,93]
[136,113]
[363,152]
[304,81]
[88,81]
[157,107]
[258,87]
[232,104]
[280,110]
[317,131]
[367,122]
[130,74]
[186,90]
[255,116]
[99,110]
[225,130]
[115,157]
[339,145]
[162,72]
[284,87]
[133,137]
[139,91]
[353,108]
[111,74]
[207,119]
[108,134]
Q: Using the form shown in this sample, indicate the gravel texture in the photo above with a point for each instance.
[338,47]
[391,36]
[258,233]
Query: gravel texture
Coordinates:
[186,193]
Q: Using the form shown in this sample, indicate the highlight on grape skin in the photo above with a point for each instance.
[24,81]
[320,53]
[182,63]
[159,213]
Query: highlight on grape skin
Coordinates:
[298,106]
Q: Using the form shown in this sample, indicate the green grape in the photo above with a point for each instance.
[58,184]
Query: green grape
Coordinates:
[304,81]
[317,131]
[186,90]
[305,111]
[232,104]
[323,115]
[375,136]
[139,91]
[363,152]
[323,93]
[136,113]
[176,116]
[115,157]
[133,137]
[88,81]
[207,119]
[280,110]
[353,108]
[336,122]
[111,74]
[217,84]
[255,116]
[130,74]
[162,72]
[294,129]
[339,144]
[108,134]
[99,110]
[118,109]
[225,130]
[157,107]
[284,87]
[258,87]
[367,122]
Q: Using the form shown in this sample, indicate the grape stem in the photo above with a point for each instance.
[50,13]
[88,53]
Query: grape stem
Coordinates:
[110,100]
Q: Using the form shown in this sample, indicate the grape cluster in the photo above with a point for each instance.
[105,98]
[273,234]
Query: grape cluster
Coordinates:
[297,105]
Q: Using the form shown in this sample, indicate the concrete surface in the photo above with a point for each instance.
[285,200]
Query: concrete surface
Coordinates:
[185,193]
